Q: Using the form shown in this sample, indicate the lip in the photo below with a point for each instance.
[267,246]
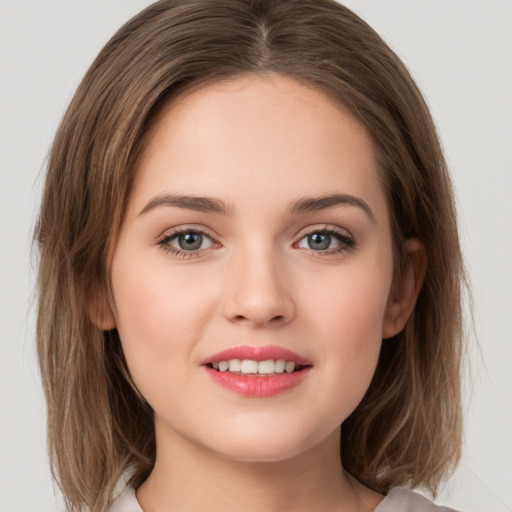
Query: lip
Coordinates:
[257,354]
[257,386]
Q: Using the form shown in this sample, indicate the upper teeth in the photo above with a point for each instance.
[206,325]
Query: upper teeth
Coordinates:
[247,366]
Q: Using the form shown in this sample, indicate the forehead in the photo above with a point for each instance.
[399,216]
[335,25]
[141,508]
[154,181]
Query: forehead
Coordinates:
[253,137]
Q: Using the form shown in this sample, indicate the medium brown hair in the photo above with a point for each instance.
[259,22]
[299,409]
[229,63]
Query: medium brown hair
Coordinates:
[407,429]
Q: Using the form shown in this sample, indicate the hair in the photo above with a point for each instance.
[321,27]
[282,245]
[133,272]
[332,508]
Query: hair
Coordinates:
[407,429]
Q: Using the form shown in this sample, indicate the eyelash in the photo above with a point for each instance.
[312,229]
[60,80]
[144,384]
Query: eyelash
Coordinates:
[347,241]
[169,249]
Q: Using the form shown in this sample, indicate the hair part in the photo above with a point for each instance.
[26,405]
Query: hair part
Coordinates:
[98,424]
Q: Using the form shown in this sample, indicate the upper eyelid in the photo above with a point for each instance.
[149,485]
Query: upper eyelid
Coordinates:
[326,228]
[188,228]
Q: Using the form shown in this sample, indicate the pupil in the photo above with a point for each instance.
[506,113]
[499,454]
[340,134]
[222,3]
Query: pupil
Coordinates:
[319,241]
[190,241]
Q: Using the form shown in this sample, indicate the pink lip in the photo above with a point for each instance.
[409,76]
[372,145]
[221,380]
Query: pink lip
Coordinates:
[257,386]
[257,354]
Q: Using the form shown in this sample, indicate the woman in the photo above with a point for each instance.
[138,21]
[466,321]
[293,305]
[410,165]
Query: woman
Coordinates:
[276,164]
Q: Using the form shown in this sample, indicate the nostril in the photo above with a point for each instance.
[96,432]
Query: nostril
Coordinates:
[275,319]
[258,311]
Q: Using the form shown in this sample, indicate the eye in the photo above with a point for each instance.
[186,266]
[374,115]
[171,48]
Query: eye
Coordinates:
[191,241]
[327,240]
[186,242]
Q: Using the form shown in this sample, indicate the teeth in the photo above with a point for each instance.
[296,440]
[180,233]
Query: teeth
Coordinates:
[279,365]
[234,365]
[248,366]
[266,367]
[289,367]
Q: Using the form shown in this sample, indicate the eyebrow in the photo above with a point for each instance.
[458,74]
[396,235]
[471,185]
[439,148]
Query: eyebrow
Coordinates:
[314,204]
[212,205]
[198,204]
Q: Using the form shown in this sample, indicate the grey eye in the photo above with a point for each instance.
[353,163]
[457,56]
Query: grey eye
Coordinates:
[326,240]
[191,241]
[319,241]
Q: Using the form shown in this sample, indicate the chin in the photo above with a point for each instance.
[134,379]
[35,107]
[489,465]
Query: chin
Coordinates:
[266,446]
[262,452]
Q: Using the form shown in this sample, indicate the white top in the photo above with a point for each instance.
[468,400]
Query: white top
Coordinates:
[397,500]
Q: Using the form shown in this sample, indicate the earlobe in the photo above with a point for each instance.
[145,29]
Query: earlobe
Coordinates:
[101,313]
[405,289]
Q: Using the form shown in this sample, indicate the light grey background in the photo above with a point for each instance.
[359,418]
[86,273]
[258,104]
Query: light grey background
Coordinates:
[460,52]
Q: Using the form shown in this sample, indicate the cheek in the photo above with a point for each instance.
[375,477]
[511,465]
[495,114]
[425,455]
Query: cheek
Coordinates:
[350,303]
[348,314]
[159,316]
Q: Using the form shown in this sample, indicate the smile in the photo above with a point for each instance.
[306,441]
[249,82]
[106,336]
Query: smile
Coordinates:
[252,367]
[257,371]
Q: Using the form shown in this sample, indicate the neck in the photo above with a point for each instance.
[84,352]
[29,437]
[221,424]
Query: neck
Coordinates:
[190,478]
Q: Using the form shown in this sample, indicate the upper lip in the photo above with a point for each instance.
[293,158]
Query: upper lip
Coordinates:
[257,354]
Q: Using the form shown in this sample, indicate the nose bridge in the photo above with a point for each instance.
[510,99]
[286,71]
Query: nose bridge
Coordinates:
[258,290]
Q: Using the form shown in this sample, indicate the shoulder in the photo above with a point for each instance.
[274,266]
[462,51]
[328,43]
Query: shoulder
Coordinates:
[125,502]
[403,500]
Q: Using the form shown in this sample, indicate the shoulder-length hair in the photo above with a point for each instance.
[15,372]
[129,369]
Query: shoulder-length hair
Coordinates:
[407,429]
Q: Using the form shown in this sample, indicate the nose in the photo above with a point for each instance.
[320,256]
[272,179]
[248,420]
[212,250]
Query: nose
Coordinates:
[258,290]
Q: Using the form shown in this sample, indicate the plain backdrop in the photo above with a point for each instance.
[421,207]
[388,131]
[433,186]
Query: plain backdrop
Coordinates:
[460,52]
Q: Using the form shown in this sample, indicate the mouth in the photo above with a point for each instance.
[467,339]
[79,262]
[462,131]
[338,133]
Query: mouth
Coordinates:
[251,367]
[257,371]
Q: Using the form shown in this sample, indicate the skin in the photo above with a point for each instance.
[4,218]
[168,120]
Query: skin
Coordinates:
[259,145]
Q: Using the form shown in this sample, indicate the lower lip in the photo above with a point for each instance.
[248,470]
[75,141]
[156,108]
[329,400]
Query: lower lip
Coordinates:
[257,386]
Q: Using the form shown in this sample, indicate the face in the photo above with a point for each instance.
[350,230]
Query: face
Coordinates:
[256,237]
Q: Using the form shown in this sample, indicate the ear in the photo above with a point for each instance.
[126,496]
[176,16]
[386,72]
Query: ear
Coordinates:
[100,312]
[405,289]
